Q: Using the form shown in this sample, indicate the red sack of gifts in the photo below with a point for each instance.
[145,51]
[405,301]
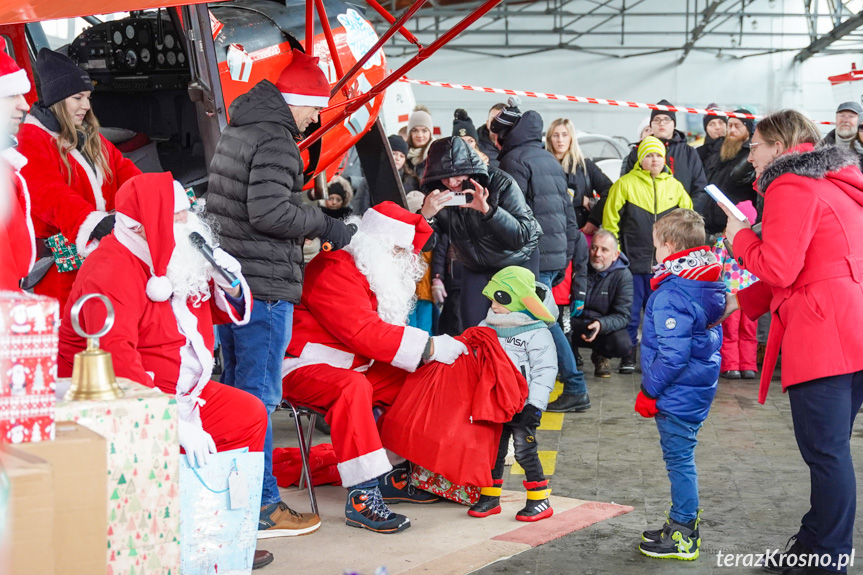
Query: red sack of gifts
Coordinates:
[448,418]
[288,467]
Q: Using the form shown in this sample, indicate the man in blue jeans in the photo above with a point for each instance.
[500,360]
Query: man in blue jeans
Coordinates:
[256,178]
[574,396]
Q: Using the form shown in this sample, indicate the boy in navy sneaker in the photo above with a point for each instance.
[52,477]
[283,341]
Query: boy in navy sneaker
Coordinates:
[521,311]
[680,363]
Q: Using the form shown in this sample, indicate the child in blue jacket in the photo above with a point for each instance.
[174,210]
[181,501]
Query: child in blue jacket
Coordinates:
[680,363]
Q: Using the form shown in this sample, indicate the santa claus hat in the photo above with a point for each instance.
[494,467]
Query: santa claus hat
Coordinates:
[151,200]
[303,83]
[13,80]
[394,224]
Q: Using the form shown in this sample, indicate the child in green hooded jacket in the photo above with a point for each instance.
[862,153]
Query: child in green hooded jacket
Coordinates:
[521,311]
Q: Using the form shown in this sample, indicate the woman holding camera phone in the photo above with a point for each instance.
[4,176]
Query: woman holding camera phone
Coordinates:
[810,262]
[493,228]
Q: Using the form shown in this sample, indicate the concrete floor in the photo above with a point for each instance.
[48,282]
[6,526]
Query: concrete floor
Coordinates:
[754,486]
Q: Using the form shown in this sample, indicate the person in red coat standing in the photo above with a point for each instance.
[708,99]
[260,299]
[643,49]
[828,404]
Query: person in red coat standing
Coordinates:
[73,173]
[17,240]
[810,262]
[352,349]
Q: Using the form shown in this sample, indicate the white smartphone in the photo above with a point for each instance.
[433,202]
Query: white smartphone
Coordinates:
[457,199]
[721,198]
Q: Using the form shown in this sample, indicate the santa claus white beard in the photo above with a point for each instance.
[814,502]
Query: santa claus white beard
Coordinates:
[188,270]
[392,276]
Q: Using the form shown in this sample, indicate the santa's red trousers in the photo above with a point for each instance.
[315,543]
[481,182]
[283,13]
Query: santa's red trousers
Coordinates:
[347,397]
[234,418]
[739,343]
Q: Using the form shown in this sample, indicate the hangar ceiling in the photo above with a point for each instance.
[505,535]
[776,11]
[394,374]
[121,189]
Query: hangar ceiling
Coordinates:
[632,28]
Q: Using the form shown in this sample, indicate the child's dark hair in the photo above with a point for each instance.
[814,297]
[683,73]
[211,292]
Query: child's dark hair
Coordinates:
[682,228]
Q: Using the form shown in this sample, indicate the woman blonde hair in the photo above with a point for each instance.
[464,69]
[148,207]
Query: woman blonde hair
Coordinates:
[573,156]
[789,127]
[68,140]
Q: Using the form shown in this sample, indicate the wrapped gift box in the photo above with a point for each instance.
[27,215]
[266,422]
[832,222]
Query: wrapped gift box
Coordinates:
[29,327]
[143,476]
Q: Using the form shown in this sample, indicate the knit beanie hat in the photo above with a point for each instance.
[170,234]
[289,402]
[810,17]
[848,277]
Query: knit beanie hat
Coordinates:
[303,83]
[514,288]
[748,122]
[398,144]
[641,125]
[506,118]
[339,186]
[13,80]
[656,113]
[60,77]
[420,118]
[707,118]
[649,145]
[462,125]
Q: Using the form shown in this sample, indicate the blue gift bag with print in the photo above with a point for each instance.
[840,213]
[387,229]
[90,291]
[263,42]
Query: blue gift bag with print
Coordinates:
[219,508]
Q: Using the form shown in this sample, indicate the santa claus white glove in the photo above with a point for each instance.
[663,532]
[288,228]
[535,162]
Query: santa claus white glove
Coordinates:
[197,443]
[438,290]
[228,263]
[447,349]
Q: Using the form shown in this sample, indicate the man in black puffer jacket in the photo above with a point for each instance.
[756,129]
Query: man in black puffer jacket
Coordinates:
[541,177]
[608,307]
[682,160]
[497,230]
[256,178]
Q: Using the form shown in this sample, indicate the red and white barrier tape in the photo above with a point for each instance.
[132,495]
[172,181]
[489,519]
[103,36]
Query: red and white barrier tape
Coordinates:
[584,100]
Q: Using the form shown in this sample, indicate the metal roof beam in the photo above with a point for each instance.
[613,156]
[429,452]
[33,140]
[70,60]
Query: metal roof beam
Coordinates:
[826,40]
[706,16]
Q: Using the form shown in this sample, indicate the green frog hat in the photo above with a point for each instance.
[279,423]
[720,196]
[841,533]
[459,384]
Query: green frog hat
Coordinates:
[514,288]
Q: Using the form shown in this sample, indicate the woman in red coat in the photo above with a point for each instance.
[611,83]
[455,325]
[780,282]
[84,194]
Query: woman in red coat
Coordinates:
[810,261]
[72,171]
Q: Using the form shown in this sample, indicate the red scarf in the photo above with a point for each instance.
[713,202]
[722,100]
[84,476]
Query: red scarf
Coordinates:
[698,264]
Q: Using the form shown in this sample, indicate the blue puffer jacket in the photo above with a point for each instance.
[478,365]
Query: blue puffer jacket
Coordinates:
[679,355]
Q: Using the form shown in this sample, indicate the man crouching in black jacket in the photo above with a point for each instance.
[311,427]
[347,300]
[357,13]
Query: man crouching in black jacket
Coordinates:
[256,182]
[608,308]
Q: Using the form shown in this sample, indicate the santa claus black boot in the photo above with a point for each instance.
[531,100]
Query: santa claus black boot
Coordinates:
[489,501]
[537,506]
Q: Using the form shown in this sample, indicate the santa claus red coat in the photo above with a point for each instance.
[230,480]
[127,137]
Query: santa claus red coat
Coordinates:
[17,238]
[57,205]
[147,346]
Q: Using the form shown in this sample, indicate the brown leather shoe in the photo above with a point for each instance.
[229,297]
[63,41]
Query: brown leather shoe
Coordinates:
[262,559]
[279,520]
[602,367]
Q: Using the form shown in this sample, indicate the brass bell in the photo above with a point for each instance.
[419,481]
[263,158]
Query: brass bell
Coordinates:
[93,372]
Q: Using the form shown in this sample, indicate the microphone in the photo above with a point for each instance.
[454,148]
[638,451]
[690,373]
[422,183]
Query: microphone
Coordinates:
[327,246]
[199,242]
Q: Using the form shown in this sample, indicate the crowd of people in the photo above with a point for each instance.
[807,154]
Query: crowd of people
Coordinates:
[506,227]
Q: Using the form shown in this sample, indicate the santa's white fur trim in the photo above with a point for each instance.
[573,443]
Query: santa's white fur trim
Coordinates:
[14,84]
[411,349]
[196,359]
[364,468]
[317,354]
[222,303]
[181,199]
[14,158]
[159,288]
[306,100]
[399,233]
[83,243]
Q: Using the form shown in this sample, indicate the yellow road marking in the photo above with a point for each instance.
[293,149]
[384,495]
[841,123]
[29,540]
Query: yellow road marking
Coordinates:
[558,389]
[551,421]
[548,460]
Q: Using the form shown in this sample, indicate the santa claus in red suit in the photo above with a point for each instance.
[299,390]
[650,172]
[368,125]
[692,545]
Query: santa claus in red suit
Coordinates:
[72,172]
[351,350]
[166,298]
[17,239]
